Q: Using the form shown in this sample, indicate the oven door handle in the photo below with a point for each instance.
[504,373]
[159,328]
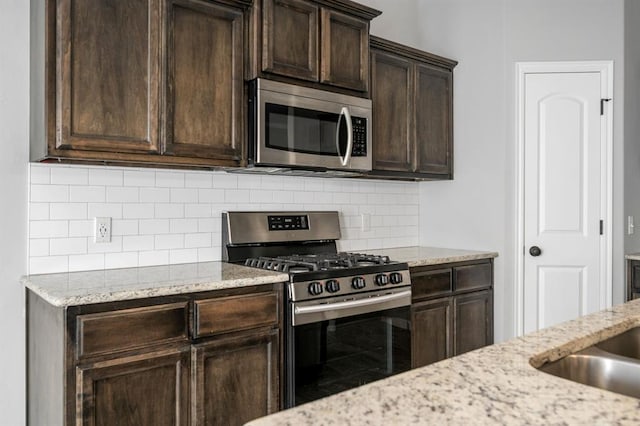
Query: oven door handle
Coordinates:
[352,307]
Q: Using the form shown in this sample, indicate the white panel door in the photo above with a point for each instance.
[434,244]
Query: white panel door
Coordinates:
[562,197]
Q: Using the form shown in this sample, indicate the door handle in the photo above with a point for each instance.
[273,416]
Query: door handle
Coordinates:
[535,251]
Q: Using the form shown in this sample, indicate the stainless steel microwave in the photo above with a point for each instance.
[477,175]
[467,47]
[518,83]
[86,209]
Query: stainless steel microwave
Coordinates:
[299,127]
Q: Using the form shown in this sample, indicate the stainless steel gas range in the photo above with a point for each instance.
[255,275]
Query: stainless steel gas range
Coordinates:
[346,314]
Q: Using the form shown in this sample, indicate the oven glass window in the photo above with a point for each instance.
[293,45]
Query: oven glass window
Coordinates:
[303,130]
[336,355]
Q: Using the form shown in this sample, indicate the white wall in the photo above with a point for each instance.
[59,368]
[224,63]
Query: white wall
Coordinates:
[632,122]
[14,137]
[477,208]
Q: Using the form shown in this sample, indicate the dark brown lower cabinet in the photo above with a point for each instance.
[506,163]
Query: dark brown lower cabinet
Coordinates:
[151,389]
[174,360]
[236,379]
[451,311]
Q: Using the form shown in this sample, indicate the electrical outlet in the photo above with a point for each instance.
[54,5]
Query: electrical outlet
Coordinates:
[630,225]
[102,230]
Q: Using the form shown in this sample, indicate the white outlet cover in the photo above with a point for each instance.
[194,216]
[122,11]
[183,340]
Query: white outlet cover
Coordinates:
[102,230]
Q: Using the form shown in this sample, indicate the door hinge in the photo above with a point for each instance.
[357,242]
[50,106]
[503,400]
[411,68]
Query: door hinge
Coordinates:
[602,101]
[601,227]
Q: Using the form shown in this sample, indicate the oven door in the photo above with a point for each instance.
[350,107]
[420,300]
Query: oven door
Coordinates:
[341,344]
[302,127]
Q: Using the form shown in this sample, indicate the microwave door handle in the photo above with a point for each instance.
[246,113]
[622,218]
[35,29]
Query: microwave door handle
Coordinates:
[347,116]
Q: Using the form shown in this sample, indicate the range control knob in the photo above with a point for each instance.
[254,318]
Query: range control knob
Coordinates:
[315,288]
[381,280]
[396,278]
[332,286]
[358,283]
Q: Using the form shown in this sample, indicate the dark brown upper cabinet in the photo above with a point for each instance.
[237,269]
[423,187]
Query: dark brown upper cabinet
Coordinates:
[324,43]
[139,81]
[412,94]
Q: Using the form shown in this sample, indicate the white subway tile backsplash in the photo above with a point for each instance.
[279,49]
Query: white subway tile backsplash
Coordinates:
[150,258]
[39,211]
[60,211]
[49,193]
[69,176]
[137,242]
[39,173]
[183,256]
[153,226]
[197,180]
[38,247]
[85,262]
[119,194]
[183,226]
[169,179]
[49,229]
[87,194]
[199,240]
[124,227]
[64,246]
[163,216]
[138,211]
[120,260]
[155,195]
[169,241]
[112,210]
[105,176]
[139,178]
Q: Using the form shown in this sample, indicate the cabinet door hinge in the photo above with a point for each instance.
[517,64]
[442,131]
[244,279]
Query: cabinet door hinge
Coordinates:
[602,101]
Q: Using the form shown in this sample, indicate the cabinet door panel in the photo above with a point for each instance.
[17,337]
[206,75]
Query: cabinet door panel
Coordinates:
[434,130]
[290,43]
[392,97]
[345,51]
[472,277]
[236,379]
[473,321]
[204,115]
[108,75]
[150,389]
[431,337]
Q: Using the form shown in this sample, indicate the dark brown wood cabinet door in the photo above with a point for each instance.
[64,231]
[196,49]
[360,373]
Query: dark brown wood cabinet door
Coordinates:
[204,113]
[344,58]
[392,98]
[107,70]
[236,379]
[290,39]
[473,321]
[434,120]
[431,332]
[149,389]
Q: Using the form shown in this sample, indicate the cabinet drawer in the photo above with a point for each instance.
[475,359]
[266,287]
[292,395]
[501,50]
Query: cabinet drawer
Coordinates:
[472,276]
[226,314]
[635,274]
[125,329]
[430,283]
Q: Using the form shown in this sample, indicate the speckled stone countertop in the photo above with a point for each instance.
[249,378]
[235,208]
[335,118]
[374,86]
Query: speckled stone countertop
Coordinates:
[82,288]
[495,385]
[422,256]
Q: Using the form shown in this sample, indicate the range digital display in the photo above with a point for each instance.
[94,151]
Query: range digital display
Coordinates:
[288,223]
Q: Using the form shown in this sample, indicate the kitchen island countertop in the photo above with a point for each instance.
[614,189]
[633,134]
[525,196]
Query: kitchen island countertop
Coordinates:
[495,385]
[109,285]
[424,256]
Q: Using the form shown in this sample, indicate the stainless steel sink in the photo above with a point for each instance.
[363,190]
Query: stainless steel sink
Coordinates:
[613,364]
[625,344]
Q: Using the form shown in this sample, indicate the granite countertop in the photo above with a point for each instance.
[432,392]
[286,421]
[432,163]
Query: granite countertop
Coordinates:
[423,256]
[81,288]
[495,385]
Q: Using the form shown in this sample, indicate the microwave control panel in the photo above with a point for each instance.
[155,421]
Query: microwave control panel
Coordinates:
[359,137]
